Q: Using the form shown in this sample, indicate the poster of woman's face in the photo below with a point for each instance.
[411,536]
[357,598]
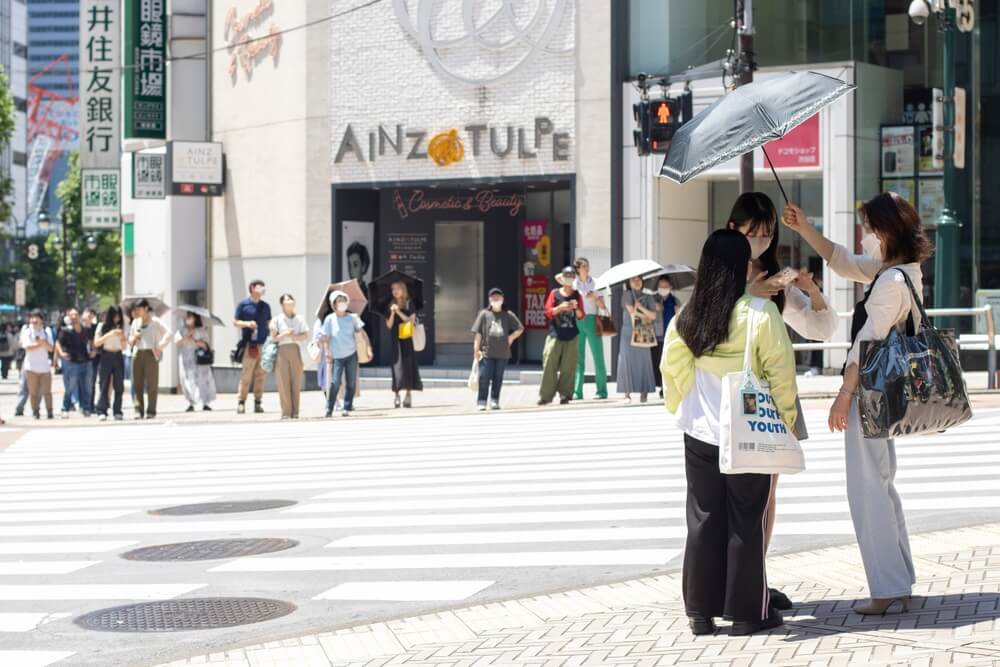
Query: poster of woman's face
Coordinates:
[358,239]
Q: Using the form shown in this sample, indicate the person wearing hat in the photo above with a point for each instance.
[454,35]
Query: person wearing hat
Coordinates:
[496,329]
[341,351]
[563,309]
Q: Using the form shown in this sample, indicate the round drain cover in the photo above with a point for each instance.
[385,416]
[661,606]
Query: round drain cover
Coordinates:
[223,507]
[209,549]
[185,614]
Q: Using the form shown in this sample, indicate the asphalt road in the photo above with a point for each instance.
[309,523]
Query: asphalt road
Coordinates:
[392,516]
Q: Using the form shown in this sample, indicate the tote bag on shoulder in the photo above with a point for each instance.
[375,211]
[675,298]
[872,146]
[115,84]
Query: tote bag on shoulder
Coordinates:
[753,437]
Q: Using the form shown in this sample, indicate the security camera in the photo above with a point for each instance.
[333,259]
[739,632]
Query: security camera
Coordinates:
[919,11]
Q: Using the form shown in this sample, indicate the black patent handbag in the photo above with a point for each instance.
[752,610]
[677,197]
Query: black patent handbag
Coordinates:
[912,382]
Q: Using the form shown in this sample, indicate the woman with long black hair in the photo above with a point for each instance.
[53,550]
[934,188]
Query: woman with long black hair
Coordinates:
[800,303]
[110,339]
[724,572]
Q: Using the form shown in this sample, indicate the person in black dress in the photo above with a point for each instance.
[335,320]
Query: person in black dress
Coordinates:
[403,316]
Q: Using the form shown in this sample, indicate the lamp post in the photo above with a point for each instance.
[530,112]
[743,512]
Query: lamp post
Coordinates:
[947,225]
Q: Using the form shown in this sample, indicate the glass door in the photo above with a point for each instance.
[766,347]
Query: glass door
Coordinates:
[458,286]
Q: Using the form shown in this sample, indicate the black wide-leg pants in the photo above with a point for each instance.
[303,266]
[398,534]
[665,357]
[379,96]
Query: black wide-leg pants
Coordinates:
[724,556]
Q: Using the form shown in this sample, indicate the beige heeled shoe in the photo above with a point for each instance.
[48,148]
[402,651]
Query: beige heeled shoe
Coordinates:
[881,606]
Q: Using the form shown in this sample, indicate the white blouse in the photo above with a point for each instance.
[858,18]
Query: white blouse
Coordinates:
[807,322]
[890,302]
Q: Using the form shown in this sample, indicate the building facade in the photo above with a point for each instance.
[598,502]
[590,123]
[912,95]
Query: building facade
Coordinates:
[14,58]
[840,158]
[53,120]
[449,152]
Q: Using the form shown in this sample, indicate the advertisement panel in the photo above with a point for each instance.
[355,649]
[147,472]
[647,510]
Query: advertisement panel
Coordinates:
[145,69]
[534,291]
[101,197]
[100,89]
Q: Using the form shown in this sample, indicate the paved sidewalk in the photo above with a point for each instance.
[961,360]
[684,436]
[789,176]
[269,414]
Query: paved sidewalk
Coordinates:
[952,621]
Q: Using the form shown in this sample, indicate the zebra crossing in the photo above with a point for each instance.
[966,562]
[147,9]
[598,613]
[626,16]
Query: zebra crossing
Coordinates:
[392,516]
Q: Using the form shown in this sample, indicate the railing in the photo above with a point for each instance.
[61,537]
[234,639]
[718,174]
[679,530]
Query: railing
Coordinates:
[969,343]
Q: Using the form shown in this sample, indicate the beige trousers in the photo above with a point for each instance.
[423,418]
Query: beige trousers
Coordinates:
[288,371]
[252,371]
[39,386]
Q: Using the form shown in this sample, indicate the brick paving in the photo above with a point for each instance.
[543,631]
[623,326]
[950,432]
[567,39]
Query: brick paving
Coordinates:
[954,619]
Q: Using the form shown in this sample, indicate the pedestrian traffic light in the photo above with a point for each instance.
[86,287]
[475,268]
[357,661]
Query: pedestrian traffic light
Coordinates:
[665,118]
[656,122]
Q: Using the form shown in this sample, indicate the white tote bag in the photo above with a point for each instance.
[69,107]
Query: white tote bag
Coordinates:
[473,382]
[753,437]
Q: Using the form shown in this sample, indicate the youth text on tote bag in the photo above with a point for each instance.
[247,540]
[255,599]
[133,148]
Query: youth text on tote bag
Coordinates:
[753,437]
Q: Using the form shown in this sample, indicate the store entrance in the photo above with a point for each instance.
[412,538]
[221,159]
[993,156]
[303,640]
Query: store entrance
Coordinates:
[458,287]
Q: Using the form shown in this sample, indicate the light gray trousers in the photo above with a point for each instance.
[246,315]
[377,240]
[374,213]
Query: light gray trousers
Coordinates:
[877,511]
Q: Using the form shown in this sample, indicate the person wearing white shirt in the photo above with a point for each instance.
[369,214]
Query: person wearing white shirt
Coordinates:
[895,246]
[38,344]
[148,336]
[290,331]
[593,303]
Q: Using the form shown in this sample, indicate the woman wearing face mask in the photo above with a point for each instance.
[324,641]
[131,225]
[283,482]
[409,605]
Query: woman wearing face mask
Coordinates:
[800,303]
[724,572]
[341,352]
[635,364]
[290,331]
[196,380]
[667,306]
[895,245]
[496,329]
[405,374]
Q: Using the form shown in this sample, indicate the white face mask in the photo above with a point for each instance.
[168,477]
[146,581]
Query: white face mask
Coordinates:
[758,245]
[341,307]
[663,291]
[496,305]
[872,246]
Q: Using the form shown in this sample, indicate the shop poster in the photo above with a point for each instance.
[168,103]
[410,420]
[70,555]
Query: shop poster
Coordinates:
[898,152]
[534,291]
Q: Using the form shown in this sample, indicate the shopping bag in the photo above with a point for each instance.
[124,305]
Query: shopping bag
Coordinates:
[314,350]
[753,438]
[269,356]
[473,382]
[604,325]
[912,383]
[419,337]
[643,332]
[405,330]
[364,346]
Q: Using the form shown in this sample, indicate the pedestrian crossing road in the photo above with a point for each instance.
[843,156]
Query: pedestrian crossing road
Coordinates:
[392,517]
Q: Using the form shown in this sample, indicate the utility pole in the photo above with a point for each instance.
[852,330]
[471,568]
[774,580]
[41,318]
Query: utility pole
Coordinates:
[745,66]
[946,256]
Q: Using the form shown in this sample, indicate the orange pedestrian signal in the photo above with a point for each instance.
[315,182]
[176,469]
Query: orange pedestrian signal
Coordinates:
[663,113]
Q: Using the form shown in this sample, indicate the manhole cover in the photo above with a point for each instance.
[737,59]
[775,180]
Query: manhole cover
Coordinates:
[209,549]
[223,507]
[186,614]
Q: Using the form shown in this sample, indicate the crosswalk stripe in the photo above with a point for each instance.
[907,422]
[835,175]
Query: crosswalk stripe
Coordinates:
[405,591]
[87,515]
[493,501]
[23,567]
[32,658]
[454,560]
[74,547]
[138,503]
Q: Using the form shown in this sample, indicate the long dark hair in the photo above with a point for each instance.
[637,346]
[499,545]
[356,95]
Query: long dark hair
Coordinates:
[198,324]
[720,283]
[757,210]
[109,319]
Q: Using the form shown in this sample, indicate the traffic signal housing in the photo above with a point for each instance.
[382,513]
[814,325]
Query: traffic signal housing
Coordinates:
[656,122]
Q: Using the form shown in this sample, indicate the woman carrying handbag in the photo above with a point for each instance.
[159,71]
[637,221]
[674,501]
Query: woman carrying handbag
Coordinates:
[723,331]
[635,364]
[894,244]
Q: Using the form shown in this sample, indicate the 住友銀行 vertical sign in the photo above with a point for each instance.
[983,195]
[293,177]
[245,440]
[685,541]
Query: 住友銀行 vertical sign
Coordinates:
[100,79]
[146,69]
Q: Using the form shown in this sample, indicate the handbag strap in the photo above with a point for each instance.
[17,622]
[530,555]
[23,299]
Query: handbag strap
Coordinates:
[756,306]
[925,322]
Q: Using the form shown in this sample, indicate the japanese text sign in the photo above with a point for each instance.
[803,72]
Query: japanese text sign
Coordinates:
[146,69]
[100,84]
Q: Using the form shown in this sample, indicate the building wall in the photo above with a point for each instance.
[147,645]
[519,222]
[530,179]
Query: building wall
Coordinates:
[18,74]
[273,222]
[383,75]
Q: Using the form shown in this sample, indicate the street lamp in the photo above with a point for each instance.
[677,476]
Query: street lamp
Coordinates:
[43,220]
[947,224]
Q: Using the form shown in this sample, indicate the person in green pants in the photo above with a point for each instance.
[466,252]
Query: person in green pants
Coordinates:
[564,310]
[592,303]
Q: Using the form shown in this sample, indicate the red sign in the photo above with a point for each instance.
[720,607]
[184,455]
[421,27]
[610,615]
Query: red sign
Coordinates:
[798,149]
[531,232]
[534,291]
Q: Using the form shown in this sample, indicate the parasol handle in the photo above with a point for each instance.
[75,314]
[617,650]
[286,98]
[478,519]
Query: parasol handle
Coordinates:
[771,165]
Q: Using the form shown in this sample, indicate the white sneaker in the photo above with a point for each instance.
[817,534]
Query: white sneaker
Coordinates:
[482,407]
[495,405]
